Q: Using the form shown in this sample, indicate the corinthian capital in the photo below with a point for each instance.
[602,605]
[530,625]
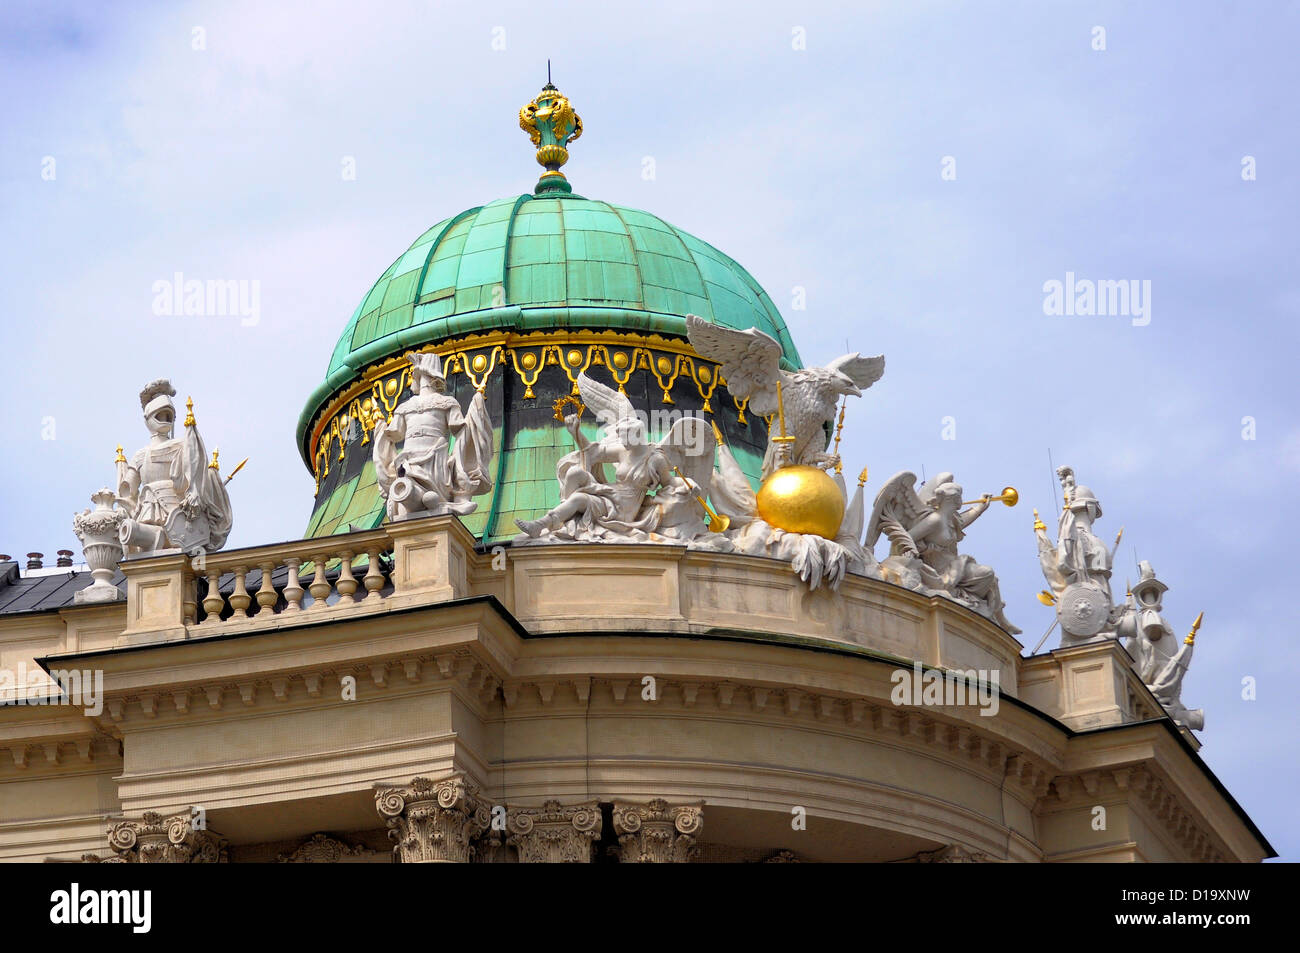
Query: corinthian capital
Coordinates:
[433,822]
[657,832]
[155,839]
[553,833]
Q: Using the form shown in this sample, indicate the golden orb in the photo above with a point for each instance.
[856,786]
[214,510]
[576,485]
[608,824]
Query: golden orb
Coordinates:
[664,365]
[705,374]
[620,360]
[480,362]
[802,499]
[529,361]
[574,357]
[390,386]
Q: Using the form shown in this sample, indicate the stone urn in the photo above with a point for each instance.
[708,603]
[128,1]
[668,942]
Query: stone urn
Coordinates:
[97,530]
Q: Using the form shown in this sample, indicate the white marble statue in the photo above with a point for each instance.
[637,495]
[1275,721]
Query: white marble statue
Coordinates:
[1077,566]
[751,366]
[426,477]
[924,527]
[172,495]
[624,487]
[1160,658]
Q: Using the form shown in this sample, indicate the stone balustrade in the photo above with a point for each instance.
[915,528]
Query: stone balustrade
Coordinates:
[177,596]
[311,576]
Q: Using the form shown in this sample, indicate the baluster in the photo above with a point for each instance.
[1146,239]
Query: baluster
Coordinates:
[266,594]
[190,598]
[347,583]
[374,579]
[213,603]
[320,586]
[292,590]
[240,599]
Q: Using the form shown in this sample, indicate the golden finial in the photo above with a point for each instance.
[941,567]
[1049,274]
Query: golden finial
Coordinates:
[189,411]
[1191,636]
[119,458]
[1038,524]
[214,465]
[862,477]
[839,429]
[551,124]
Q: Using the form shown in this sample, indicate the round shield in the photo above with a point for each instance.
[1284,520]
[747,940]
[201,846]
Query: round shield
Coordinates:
[1083,609]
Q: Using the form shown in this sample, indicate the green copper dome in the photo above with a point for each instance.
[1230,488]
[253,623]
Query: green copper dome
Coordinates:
[520,296]
[609,266]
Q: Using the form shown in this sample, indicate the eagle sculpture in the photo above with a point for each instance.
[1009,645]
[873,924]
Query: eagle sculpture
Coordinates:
[751,365]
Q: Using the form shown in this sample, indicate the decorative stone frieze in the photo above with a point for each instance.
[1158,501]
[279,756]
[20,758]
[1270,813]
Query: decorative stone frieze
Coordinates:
[554,833]
[434,821]
[952,854]
[783,857]
[322,849]
[657,833]
[156,839]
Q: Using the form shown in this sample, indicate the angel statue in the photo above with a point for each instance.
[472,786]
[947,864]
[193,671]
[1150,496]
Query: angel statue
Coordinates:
[656,489]
[426,477]
[751,365]
[173,497]
[1159,659]
[924,527]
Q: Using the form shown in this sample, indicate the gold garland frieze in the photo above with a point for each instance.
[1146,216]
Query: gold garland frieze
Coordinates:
[479,356]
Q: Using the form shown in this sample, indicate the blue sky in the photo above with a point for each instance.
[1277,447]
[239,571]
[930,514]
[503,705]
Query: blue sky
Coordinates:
[816,168]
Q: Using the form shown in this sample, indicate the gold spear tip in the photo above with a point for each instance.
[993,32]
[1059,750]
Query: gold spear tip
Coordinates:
[1038,524]
[214,465]
[1191,636]
[189,411]
[119,458]
[862,477]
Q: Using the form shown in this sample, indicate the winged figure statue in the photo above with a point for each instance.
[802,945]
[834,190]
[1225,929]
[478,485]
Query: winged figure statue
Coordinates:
[924,527]
[751,365]
[654,489]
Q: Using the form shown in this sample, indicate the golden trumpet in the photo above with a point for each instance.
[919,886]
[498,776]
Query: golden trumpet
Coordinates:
[718,522]
[1009,495]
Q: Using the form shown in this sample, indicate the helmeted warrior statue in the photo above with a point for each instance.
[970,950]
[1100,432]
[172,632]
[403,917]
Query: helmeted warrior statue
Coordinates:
[924,527]
[427,477]
[1159,658]
[172,494]
[1077,566]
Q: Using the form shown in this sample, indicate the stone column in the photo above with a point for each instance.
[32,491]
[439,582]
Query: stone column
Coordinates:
[554,834]
[657,832]
[156,839]
[434,822]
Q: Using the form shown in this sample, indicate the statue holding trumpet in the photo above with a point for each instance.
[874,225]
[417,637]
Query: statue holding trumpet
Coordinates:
[924,527]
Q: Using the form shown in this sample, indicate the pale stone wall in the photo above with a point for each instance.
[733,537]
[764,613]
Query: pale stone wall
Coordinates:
[511,687]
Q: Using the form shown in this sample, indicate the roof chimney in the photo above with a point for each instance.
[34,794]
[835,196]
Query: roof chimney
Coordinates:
[34,560]
[65,557]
